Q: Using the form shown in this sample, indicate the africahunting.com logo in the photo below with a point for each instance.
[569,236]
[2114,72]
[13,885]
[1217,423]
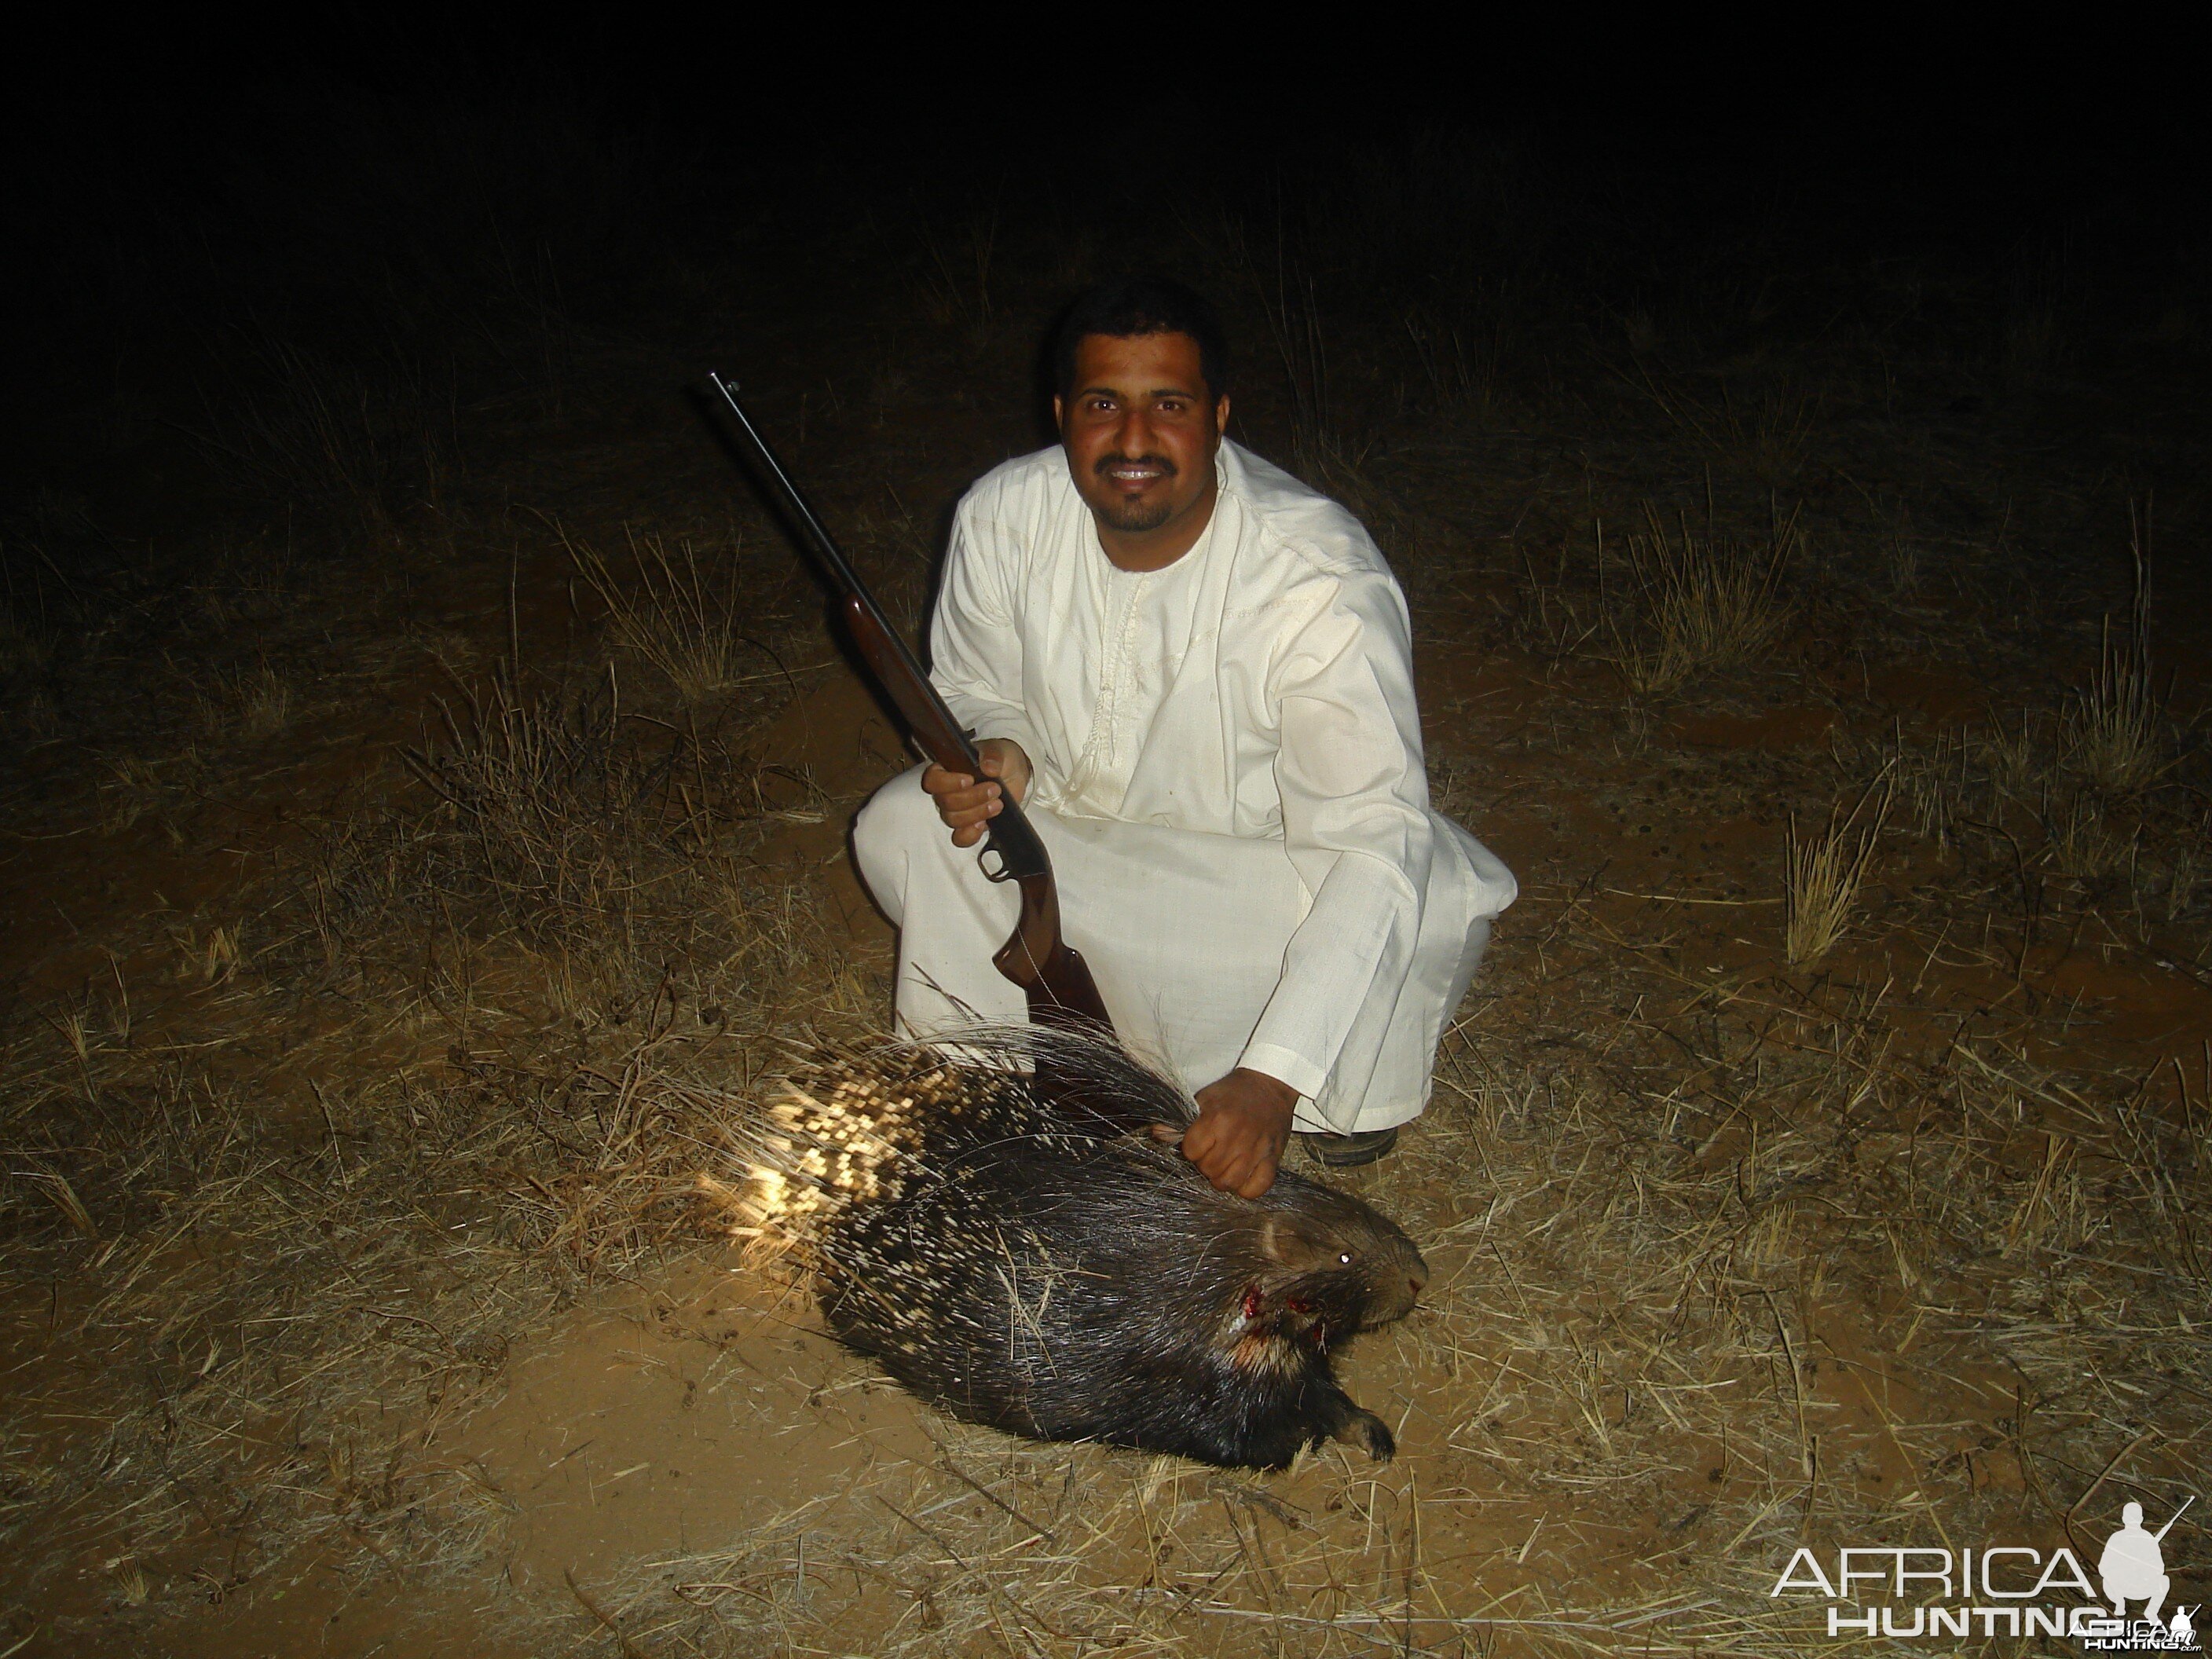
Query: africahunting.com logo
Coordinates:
[2006,1589]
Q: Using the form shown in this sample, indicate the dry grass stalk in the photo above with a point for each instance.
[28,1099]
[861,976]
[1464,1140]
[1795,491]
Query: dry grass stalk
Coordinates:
[1460,382]
[224,950]
[2017,760]
[1821,875]
[1702,604]
[1551,620]
[2186,877]
[64,1198]
[1935,781]
[678,614]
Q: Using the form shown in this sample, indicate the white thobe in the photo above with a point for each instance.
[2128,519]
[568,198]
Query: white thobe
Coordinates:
[1228,774]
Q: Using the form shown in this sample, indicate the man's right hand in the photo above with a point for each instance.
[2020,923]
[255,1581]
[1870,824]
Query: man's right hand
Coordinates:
[967,805]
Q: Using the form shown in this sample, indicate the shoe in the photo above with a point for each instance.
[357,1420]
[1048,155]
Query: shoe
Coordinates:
[1350,1151]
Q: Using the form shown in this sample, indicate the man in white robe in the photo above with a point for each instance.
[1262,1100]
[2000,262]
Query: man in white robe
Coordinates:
[1194,675]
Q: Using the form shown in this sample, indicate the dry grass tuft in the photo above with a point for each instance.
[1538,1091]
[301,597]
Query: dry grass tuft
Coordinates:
[27,652]
[1821,875]
[2099,791]
[139,787]
[2081,839]
[547,800]
[222,955]
[1699,603]
[1771,436]
[366,440]
[2189,872]
[1934,780]
[680,614]
[957,279]
[250,703]
[1324,449]
[1460,382]
[2115,732]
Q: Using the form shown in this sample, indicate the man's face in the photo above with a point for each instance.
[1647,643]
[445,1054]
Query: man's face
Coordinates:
[1140,429]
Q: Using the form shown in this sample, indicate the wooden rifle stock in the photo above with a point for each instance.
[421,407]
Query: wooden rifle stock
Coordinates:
[1054,977]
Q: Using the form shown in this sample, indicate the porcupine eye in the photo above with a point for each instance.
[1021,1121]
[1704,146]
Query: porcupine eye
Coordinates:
[1346,1258]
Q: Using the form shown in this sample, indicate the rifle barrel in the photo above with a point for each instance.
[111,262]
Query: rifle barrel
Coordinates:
[795,499]
[2160,1535]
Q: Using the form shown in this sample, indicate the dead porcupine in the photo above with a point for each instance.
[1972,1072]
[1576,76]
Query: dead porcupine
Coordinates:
[1038,1267]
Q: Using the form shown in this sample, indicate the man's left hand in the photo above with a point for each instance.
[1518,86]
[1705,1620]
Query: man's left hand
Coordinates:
[1244,1124]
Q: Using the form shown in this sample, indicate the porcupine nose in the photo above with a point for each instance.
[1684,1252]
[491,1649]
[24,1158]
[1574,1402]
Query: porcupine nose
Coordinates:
[1389,1301]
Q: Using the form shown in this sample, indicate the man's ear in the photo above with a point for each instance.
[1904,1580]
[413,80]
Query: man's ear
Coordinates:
[1220,414]
[1059,413]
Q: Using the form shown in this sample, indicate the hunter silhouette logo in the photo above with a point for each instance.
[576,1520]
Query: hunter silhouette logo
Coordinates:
[2006,1589]
[2133,1566]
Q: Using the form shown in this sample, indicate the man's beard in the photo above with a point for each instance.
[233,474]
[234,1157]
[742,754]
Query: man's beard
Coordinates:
[1135,517]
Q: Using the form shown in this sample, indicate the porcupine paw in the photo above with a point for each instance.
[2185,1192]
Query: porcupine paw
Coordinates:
[1367,1431]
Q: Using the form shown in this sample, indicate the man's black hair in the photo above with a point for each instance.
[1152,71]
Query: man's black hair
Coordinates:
[1125,307]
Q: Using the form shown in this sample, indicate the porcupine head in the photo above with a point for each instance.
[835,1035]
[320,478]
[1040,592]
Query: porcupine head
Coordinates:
[1326,1266]
[1318,1266]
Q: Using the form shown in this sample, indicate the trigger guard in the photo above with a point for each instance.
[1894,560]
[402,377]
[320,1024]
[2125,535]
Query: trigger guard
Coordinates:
[982,862]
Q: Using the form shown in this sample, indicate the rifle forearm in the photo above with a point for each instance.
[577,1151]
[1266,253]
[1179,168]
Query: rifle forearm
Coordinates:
[1021,855]
[916,700]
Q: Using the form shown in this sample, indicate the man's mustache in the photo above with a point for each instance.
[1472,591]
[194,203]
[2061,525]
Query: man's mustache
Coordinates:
[1105,463]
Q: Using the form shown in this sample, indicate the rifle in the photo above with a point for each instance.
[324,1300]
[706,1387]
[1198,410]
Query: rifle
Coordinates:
[1052,974]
